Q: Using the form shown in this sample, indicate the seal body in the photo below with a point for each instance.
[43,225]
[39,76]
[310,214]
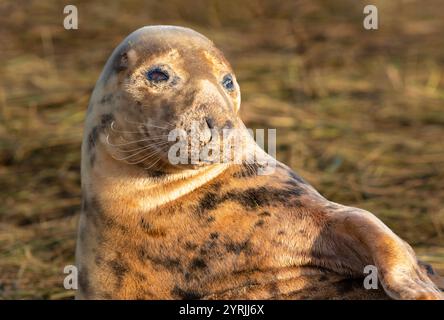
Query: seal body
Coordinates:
[150,229]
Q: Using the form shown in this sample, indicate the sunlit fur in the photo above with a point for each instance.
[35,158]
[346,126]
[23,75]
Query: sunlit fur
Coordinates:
[151,230]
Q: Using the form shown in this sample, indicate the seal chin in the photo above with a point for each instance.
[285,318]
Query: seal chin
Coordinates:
[197,165]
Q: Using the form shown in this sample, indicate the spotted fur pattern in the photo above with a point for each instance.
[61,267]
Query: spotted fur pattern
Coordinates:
[218,231]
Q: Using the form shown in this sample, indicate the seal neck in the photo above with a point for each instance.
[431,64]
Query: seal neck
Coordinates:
[177,185]
[133,190]
[123,188]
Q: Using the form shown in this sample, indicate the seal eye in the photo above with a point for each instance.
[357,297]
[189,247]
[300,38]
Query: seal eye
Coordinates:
[157,75]
[227,82]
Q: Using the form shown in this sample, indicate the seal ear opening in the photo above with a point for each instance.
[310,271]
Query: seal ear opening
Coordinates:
[122,62]
[125,60]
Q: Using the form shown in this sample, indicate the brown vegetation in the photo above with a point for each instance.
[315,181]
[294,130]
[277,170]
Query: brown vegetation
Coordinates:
[358,113]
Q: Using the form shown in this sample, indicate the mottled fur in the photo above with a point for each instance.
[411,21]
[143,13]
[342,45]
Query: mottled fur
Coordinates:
[217,231]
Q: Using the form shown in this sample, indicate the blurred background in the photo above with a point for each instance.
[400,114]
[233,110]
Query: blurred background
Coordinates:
[358,113]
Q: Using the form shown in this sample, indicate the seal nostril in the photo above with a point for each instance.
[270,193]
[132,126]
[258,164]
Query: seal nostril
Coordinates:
[210,122]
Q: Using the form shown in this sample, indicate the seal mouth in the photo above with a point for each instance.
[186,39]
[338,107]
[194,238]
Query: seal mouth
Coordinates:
[133,143]
[151,146]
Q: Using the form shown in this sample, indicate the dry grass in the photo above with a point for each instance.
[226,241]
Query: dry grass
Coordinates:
[358,113]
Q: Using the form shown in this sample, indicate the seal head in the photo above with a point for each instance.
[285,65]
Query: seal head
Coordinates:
[163,78]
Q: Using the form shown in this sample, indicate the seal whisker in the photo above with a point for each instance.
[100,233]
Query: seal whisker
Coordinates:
[151,145]
[168,123]
[251,169]
[132,155]
[152,165]
[121,131]
[135,154]
[153,126]
[146,157]
[163,136]
[159,146]
[125,118]
[145,146]
[135,141]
